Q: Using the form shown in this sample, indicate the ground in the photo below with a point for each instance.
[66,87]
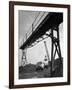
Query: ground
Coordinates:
[29,71]
[35,74]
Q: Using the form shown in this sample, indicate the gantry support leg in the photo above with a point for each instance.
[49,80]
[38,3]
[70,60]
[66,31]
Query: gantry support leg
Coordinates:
[24,59]
[56,44]
[52,48]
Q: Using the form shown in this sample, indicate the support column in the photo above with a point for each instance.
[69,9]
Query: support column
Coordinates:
[52,48]
[47,53]
[56,44]
[24,59]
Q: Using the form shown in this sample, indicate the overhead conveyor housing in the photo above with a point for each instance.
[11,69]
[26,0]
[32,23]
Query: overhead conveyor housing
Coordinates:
[51,19]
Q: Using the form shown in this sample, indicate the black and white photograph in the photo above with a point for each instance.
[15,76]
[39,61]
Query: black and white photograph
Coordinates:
[39,44]
[40,53]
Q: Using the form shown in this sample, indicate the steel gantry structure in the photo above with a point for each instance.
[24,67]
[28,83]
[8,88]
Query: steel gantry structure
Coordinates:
[46,27]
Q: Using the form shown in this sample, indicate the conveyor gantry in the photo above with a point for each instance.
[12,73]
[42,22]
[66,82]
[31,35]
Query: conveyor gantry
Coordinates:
[52,19]
[50,22]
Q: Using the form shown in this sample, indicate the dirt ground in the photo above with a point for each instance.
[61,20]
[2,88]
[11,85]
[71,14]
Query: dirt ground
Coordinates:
[29,71]
[40,74]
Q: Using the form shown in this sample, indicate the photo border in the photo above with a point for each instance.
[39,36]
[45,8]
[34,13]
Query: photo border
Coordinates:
[11,43]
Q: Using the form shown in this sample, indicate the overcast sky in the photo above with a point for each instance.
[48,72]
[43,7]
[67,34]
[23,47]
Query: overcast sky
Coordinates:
[36,53]
[25,21]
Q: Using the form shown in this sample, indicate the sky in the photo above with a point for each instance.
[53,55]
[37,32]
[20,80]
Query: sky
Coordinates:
[26,18]
[38,52]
